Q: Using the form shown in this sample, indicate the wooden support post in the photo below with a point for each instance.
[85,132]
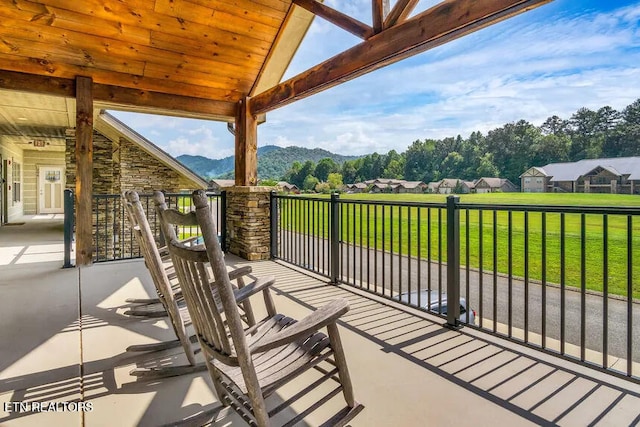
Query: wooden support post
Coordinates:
[84,170]
[246,145]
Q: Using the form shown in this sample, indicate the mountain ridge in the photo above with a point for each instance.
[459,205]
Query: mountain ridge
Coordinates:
[273,161]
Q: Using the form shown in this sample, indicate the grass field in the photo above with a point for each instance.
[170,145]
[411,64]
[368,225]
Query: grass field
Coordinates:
[417,230]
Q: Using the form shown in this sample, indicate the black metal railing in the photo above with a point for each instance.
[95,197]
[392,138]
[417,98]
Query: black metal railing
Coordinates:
[113,238]
[558,278]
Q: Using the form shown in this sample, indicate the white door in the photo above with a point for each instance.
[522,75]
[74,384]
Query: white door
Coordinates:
[51,193]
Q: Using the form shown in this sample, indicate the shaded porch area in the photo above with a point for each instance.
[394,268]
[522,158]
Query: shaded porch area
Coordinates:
[65,335]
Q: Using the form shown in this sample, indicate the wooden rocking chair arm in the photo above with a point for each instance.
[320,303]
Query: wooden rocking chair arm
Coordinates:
[261,284]
[320,318]
[164,250]
[240,272]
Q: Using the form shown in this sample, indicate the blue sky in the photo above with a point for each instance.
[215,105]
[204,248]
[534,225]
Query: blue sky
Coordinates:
[552,60]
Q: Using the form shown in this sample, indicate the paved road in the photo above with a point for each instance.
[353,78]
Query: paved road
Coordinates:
[393,274]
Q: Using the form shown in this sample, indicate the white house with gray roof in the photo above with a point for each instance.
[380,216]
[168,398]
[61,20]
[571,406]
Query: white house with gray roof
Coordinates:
[619,175]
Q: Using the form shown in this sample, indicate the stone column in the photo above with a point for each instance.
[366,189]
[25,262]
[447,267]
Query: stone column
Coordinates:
[248,222]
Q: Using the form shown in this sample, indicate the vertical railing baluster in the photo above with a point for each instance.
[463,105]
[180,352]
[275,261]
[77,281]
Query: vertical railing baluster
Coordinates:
[429,257]
[453,262]
[605,291]
[439,260]
[222,211]
[543,245]
[354,247]
[368,246]
[69,218]
[273,204]
[562,282]
[629,295]
[361,245]
[583,284]
[495,270]
[480,266]
[409,281]
[384,250]
[291,226]
[526,276]
[467,262]
[375,246]
[399,250]
[309,255]
[419,256]
[346,244]
[510,271]
[391,250]
[335,243]
[96,255]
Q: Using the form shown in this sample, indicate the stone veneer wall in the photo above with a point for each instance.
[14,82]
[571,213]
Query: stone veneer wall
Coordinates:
[142,172]
[248,222]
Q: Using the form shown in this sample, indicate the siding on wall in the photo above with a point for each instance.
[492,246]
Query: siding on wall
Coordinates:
[12,152]
[33,159]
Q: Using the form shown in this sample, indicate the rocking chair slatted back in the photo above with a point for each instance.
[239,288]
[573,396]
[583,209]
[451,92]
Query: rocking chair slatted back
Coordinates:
[153,261]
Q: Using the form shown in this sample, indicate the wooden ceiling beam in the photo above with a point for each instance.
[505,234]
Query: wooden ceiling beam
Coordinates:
[337,18]
[123,98]
[440,24]
[379,9]
[399,13]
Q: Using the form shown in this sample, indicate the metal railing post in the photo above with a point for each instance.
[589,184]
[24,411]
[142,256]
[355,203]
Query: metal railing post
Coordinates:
[453,262]
[334,241]
[69,215]
[273,206]
[223,220]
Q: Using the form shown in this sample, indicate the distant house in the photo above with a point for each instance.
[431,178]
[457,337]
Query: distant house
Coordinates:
[494,185]
[287,187]
[380,188]
[385,181]
[432,187]
[358,187]
[221,184]
[471,185]
[450,186]
[410,187]
[614,175]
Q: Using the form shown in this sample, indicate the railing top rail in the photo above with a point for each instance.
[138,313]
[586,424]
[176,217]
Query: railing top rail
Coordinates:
[296,197]
[442,205]
[601,210]
[366,202]
[104,195]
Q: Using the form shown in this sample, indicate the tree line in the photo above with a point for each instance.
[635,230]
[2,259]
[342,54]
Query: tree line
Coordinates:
[504,152]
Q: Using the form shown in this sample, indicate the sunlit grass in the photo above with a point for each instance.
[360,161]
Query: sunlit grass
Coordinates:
[417,230]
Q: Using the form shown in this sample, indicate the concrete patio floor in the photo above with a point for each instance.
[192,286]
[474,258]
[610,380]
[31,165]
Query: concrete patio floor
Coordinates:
[64,336]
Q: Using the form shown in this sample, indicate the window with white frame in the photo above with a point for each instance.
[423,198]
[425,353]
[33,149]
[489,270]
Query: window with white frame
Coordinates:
[16,182]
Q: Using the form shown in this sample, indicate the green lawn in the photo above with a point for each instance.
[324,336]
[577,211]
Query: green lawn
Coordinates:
[409,231]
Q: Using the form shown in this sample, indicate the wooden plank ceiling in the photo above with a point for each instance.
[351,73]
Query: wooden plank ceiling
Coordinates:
[212,50]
